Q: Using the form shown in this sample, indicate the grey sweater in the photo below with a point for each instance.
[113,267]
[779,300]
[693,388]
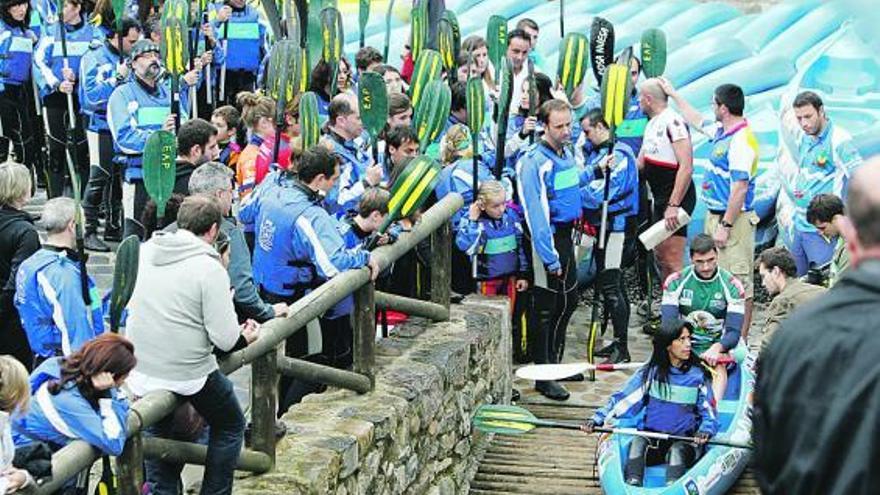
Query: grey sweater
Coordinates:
[181,308]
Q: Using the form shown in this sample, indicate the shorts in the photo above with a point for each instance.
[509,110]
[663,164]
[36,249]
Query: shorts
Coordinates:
[738,257]
[661,200]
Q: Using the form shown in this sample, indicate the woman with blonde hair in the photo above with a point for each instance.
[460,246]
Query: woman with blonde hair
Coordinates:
[18,241]
[15,393]
[258,115]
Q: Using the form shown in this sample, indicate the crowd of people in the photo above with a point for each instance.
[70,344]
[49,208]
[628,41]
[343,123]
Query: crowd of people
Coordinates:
[248,233]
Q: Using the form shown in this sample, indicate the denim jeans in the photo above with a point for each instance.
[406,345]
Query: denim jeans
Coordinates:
[218,405]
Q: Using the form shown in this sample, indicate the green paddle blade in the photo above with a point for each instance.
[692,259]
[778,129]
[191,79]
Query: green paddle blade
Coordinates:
[502,110]
[504,420]
[413,186]
[160,168]
[572,66]
[601,46]
[653,52]
[332,35]
[419,29]
[476,105]
[282,81]
[428,68]
[315,36]
[363,18]
[302,22]
[124,278]
[449,40]
[175,42]
[274,18]
[615,90]
[373,102]
[431,113]
[496,39]
[309,122]
[118,13]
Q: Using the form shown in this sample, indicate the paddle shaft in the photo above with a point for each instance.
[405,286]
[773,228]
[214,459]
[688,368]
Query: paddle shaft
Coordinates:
[665,436]
[224,43]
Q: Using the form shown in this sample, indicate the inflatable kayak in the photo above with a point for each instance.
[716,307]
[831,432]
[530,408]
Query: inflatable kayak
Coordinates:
[713,473]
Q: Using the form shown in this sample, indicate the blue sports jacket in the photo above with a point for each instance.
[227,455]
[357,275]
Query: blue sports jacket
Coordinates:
[495,246]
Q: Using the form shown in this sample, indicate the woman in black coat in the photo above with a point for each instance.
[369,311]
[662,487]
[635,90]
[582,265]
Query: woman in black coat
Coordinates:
[18,241]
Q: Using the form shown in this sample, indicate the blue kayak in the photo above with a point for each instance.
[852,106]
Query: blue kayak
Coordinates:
[809,30]
[773,21]
[696,60]
[713,473]
[701,18]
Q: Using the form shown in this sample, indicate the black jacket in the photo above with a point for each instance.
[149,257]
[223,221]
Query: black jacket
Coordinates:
[817,411]
[18,241]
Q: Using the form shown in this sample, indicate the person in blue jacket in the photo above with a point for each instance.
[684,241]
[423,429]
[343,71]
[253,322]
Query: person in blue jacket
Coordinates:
[78,398]
[16,116]
[670,394]
[48,290]
[548,181]
[57,78]
[298,246]
[136,109]
[240,28]
[358,171]
[615,162]
[102,69]
[492,235]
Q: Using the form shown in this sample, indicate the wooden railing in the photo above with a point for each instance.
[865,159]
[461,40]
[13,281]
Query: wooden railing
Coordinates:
[267,364]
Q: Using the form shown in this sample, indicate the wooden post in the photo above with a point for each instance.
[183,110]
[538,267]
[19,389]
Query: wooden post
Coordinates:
[365,331]
[441,265]
[264,375]
[130,466]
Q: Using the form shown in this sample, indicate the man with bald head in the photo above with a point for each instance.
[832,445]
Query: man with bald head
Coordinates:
[666,159]
[816,424]
[357,170]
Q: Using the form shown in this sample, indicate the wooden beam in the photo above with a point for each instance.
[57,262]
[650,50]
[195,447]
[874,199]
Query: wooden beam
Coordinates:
[162,449]
[319,373]
[410,306]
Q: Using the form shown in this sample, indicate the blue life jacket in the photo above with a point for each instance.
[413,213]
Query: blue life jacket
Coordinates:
[18,54]
[623,195]
[459,178]
[681,407]
[632,130]
[48,295]
[245,38]
[98,80]
[48,59]
[60,418]
[495,246]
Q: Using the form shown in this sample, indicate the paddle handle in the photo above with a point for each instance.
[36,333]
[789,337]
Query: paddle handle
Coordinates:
[666,436]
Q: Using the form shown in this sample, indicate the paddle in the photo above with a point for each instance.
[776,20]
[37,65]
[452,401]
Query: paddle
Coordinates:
[409,192]
[428,68]
[309,121]
[118,7]
[281,84]
[541,372]
[476,112]
[572,66]
[224,42]
[388,30]
[333,36]
[562,18]
[502,109]
[496,41]
[601,46]
[373,104]
[175,50]
[124,279]
[512,420]
[533,96]
[314,34]
[449,42]
[270,8]
[160,168]
[302,12]
[653,48]
[363,17]
[431,113]
[73,168]
[418,30]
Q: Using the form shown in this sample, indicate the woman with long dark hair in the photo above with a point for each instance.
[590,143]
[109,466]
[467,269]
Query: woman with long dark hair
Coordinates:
[671,394]
[77,397]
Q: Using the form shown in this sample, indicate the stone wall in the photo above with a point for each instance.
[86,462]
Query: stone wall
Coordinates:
[412,434]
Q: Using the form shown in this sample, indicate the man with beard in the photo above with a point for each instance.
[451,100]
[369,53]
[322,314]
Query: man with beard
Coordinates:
[136,109]
[196,144]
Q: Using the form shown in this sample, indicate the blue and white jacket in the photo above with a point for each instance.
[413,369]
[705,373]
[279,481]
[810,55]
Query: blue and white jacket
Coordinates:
[459,178]
[48,295]
[549,191]
[344,197]
[97,73]
[59,419]
[18,49]
[48,61]
[623,195]
[135,111]
[494,245]
[681,407]
[246,41]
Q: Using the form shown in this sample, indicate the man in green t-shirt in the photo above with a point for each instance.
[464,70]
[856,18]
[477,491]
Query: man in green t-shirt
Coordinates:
[713,299]
[825,212]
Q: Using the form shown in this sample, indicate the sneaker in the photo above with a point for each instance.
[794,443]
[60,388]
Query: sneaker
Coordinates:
[92,243]
[552,390]
[605,351]
[620,354]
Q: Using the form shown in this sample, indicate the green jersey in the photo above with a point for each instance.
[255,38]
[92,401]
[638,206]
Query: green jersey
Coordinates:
[716,306]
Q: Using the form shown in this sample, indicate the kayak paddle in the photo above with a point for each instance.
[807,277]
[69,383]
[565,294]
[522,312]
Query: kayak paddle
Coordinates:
[544,372]
[532,95]
[363,17]
[572,66]
[333,36]
[449,42]
[428,67]
[124,279]
[418,30]
[388,30]
[501,112]
[282,84]
[476,112]
[160,168]
[409,192]
[431,113]
[601,46]
[653,48]
[309,120]
[373,104]
[496,41]
[175,50]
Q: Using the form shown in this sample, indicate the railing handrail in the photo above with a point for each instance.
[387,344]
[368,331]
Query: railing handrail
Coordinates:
[152,407]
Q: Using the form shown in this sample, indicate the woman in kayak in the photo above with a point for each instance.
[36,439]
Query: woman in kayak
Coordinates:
[672,395]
